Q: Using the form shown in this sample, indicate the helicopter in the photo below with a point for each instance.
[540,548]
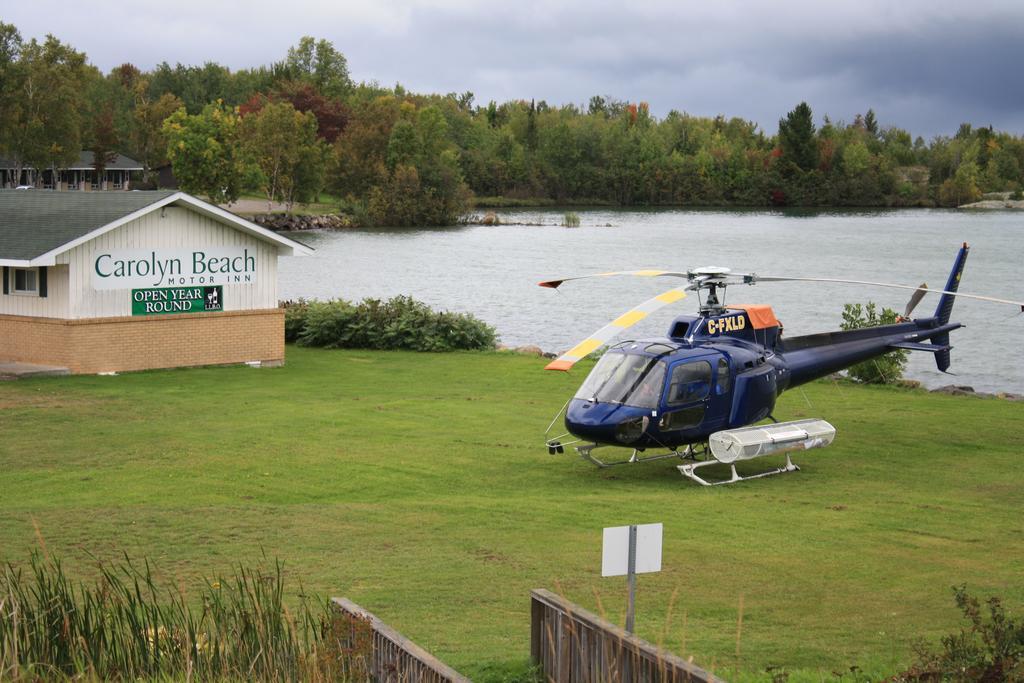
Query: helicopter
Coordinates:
[699,391]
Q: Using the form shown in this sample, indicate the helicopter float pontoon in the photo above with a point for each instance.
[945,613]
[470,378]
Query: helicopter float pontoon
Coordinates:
[698,392]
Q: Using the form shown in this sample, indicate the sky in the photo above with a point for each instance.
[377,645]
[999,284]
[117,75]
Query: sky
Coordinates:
[925,66]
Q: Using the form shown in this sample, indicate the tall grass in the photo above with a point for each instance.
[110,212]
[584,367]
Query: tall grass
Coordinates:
[126,627]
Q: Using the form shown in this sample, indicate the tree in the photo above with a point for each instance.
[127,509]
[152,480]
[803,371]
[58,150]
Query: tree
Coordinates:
[279,140]
[962,188]
[362,150]
[10,49]
[205,151]
[104,143]
[403,145]
[796,138]
[871,123]
[318,63]
[43,127]
[311,172]
[10,81]
[127,75]
[147,137]
[331,114]
[856,159]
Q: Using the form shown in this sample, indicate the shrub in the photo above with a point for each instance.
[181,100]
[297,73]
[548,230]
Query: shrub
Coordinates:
[328,324]
[989,649]
[571,220]
[962,188]
[887,369]
[294,318]
[398,323]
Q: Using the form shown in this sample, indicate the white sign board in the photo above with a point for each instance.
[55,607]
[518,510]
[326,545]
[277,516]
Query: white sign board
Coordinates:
[615,551]
[142,268]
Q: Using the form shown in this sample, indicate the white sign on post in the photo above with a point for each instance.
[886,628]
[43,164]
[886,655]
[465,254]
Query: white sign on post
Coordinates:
[615,551]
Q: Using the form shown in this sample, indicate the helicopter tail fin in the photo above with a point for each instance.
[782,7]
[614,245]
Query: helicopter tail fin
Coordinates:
[945,308]
[942,355]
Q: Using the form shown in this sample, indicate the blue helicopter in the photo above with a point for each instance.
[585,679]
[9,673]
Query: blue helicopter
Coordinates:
[699,391]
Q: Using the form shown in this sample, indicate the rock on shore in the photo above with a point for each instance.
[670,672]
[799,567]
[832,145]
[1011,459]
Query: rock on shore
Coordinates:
[282,221]
[995,204]
[995,200]
[964,390]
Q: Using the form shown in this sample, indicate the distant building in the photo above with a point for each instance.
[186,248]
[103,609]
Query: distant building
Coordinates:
[114,281]
[165,177]
[79,176]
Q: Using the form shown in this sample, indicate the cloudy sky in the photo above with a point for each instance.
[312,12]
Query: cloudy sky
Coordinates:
[922,65]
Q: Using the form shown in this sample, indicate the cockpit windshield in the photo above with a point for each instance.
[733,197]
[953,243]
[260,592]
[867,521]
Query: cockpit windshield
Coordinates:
[631,379]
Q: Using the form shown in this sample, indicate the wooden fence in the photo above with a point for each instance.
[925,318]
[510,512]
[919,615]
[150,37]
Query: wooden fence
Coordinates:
[572,645]
[374,651]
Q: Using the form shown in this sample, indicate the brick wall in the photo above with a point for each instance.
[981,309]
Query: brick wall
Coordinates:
[142,343]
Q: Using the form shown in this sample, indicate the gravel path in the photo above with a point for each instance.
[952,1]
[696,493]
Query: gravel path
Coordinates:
[251,206]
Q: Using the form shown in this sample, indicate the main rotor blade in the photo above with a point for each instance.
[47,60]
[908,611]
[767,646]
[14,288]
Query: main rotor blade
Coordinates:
[614,329]
[774,278]
[554,284]
[915,299]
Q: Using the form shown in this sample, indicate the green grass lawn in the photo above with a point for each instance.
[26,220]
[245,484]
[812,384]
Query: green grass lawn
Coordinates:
[418,486]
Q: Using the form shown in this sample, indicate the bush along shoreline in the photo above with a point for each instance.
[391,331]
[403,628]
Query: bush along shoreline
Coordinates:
[398,323]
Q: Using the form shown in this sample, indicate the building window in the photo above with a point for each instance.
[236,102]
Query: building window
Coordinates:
[25,281]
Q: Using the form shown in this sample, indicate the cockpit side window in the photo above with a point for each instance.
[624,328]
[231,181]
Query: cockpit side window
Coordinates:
[690,382]
[723,382]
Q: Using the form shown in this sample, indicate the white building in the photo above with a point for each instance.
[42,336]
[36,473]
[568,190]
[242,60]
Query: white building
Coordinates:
[98,282]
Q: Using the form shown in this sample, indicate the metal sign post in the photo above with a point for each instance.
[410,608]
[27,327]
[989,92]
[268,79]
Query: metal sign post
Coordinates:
[631,579]
[631,550]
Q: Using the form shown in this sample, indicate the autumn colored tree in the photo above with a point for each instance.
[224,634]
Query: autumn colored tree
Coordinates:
[331,114]
[362,151]
[280,140]
[206,153]
[148,139]
[415,157]
[104,143]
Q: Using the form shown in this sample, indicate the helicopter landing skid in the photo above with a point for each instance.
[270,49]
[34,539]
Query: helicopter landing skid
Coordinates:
[690,471]
[586,451]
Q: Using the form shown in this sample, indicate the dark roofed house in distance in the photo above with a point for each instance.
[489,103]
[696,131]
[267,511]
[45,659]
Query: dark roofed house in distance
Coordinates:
[79,176]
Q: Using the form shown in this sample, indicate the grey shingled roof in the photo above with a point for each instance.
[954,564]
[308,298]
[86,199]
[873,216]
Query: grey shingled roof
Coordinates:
[34,222]
[84,163]
[120,163]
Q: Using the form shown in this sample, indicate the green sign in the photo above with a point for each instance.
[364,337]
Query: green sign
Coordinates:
[177,300]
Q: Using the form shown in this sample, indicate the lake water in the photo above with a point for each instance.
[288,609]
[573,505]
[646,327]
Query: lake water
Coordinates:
[492,272]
